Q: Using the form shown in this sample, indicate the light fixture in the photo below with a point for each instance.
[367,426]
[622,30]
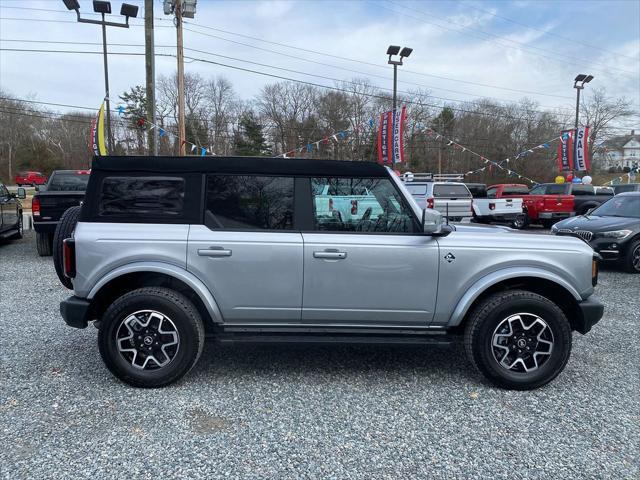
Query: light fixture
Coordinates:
[393,50]
[129,10]
[100,6]
[580,77]
[71,4]
[405,52]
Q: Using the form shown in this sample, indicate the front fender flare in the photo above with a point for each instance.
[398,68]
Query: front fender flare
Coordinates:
[480,286]
[167,269]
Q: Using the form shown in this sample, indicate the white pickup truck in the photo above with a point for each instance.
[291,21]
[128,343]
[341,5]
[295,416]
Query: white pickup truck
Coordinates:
[498,210]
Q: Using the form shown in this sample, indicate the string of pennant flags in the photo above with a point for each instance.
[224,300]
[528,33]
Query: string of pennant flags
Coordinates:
[619,179]
[338,135]
[488,162]
[145,123]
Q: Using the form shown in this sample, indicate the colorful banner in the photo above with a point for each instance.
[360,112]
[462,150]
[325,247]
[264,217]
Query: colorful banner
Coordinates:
[96,139]
[385,139]
[581,162]
[565,151]
[399,119]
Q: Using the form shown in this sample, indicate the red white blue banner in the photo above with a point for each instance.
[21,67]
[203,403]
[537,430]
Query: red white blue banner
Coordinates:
[581,162]
[565,151]
[390,137]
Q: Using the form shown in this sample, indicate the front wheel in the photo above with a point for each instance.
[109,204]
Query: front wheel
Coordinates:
[632,258]
[151,337]
[518,339]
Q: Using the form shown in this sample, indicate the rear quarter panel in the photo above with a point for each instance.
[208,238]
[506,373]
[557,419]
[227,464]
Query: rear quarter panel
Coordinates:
[103,247]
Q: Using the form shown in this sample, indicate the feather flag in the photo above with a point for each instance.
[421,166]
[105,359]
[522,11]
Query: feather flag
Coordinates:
[97,138]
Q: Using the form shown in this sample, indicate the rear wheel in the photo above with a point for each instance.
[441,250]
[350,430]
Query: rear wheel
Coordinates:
[632,258]
[151,337]
[518,340]
[64,230]
[43,244]
[519,222]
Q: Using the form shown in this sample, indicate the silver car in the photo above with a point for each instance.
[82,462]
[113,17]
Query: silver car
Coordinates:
[167,251]
[452,199]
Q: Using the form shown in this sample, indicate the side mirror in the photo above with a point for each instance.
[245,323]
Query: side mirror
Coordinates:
[431,221]
[22,193]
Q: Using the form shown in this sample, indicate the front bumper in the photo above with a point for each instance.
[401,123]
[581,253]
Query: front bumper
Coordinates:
[75,311]
[590,313]
[555,215]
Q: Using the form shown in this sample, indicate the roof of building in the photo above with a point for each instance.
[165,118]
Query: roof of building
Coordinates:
[619,141]
[248,165]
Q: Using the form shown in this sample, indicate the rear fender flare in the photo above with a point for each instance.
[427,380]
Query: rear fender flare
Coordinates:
[167,269]
[478,288]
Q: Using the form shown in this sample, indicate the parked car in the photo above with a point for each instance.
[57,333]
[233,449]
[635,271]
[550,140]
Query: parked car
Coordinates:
[586,197]
[30,178]
[612,230]
[64,190]
[544,204]
[11,213]
[452,199]
[170,250]
[496,210]
[626,187]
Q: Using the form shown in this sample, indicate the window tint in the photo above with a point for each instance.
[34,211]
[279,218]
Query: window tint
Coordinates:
[141,197]
[242,202]
[538,190]
[515,190]
[68,182]
[555,189]
[491,192]
[582,190]
[619,207]
[416,189]
[478,190]
[450,191]
[379,209]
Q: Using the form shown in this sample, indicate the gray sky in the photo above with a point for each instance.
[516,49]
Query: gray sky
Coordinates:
[462,50]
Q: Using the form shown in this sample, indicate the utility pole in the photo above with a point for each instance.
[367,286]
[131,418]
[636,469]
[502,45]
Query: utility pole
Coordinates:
[150,68]
[182,134]
[440,147]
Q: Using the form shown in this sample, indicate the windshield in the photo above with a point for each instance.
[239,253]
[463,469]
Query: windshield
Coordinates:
[619,207]
[630,187]
[68,182]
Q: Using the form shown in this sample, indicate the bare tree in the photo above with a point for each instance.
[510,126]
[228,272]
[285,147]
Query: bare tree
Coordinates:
[598,111]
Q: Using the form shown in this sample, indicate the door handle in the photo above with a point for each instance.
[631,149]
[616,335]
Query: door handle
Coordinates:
[214,252]
[330,254]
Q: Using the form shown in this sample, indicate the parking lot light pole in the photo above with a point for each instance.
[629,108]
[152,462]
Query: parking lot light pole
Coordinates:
[392,51]
[581,79]
[104,7]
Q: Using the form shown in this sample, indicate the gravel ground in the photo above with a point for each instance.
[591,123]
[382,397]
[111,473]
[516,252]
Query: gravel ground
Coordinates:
[307,412]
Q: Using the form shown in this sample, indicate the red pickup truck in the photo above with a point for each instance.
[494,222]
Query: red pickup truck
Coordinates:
[545,203]
[30,178]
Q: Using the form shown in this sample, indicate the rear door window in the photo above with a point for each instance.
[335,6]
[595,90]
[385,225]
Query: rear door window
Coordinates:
[555,189]
[450,191]
[247,202]
[416,189]
[142,197]
[515,191]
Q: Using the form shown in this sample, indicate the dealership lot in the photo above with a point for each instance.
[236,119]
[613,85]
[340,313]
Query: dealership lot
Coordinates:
[300,411]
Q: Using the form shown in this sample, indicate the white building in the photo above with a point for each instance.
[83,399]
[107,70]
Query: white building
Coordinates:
[619,152]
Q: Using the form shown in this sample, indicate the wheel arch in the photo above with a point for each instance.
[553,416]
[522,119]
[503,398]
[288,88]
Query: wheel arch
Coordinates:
[537,281]
[131,277]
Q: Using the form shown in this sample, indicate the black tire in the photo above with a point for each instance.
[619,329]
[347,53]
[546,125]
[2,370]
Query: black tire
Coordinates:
[632,258]
[20,233]
[183,317]
[520,222]
[491,314]
[43,244]
[64,230]
[547,223]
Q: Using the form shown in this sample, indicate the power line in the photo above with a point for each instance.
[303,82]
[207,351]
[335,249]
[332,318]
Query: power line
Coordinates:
[275,67]
[376,65]
[488,34]
[572,40]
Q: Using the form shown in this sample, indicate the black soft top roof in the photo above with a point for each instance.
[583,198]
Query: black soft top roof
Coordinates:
[248,165]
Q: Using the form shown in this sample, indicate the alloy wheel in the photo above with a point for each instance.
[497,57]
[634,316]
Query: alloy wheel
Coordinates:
[635,258]
[147,339]
[522,343]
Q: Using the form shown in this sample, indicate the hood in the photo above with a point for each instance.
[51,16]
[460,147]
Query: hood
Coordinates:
[593,223]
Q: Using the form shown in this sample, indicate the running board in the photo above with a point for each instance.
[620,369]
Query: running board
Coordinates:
[316,337]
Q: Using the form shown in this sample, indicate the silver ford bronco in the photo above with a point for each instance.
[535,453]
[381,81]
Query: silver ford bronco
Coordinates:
[166,252]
